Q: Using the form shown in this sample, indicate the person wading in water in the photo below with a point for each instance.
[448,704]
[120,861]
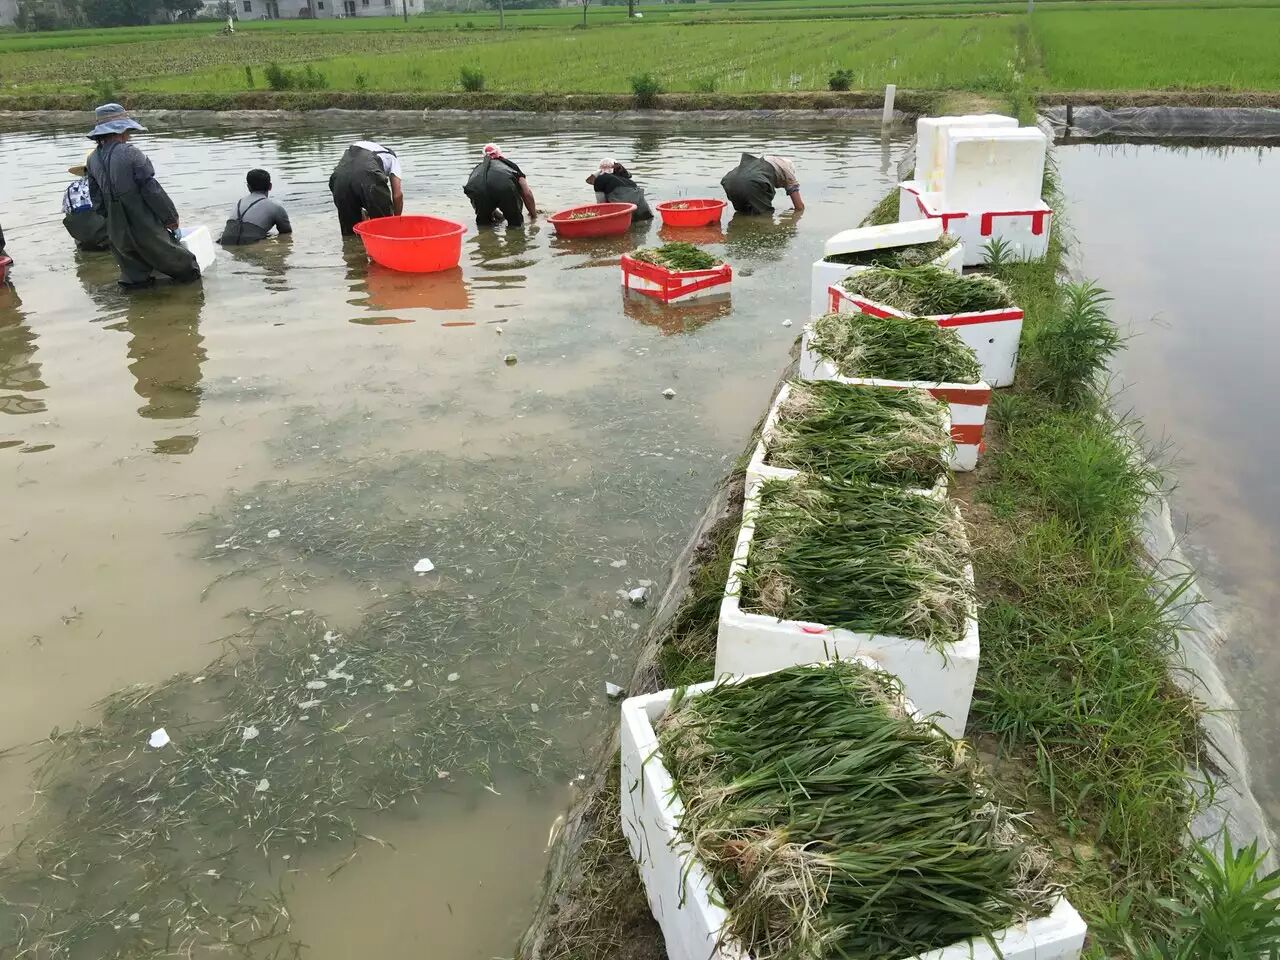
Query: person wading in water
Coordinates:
[142,222]
[86,226]
[366,184]
[255,214]
[614,184]
[497,188]
[750,185]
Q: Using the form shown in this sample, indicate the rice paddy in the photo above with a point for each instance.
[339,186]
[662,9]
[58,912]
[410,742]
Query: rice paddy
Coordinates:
[897,437]
[806,790]
[893,348]
[677,256]
[928,290]
[860,557]
[911,255]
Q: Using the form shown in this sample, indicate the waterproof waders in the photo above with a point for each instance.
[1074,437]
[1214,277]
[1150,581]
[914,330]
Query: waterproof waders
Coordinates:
[629,193]
[750,185]
[492,186]
[236,232]
[361,188]
[125,191]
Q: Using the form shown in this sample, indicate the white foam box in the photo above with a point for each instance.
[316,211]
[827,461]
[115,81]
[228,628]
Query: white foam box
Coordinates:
[758,470]
[994,335]
[683,897]
[967,402]
[930,149]
[993,168]
[824,274]
[747,643]
[1024,230]
[198,241]
[674,286]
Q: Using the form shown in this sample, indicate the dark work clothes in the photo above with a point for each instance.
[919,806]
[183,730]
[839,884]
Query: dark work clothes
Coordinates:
[361,188]
[252,220]
[612,188]
[750,185]
[492,186]
[88,228]
[125,191]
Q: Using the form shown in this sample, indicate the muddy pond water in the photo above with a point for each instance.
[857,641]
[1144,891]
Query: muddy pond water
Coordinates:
[221,492]
[1183,239]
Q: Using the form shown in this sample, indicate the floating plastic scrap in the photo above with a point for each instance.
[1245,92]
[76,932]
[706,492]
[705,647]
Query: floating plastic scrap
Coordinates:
[159,738]
[423,566]
[249,733]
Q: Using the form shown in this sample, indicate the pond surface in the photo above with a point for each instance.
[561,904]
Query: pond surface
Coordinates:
[377,755]
[1183,239]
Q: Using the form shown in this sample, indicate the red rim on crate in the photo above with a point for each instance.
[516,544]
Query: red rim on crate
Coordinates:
[413,244]
[691,213]
[608,220]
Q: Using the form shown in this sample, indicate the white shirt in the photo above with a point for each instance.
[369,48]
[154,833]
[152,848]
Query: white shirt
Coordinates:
[390,162]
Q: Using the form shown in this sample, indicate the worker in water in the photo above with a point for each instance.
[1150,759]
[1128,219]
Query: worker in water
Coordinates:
[87,227]
[750,185]
[366,184]
[142,222]
[497,188]
[614,184]
[255,214]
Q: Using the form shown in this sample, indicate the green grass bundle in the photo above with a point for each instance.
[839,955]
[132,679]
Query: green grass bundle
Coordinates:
[677,256]
[925,291]
[834,825]
[913,255]
[893,348]
[898,437]
[860,556]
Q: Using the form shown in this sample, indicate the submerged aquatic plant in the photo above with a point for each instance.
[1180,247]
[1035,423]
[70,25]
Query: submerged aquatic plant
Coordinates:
[835,825]
[848,432]
[677,256]
[912,255]
[929,290]
[859,556]
[893,348]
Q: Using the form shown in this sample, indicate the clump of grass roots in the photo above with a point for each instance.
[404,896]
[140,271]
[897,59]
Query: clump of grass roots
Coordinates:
[859,556]
[929,290]
[893,348]
[836,825]
[848,432]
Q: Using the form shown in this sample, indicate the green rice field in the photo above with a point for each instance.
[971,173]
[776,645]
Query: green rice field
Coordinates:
[979,45]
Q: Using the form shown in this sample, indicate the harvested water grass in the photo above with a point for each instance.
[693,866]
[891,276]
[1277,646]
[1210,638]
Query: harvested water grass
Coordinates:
[861,557]
[848,432]
[911,255]
[677,256]
[806,791]
[893,348]
[926,291]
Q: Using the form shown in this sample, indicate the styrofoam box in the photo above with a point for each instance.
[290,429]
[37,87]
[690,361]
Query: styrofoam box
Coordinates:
[198,241]
[674,286]
[994,335]
[993,168]
[683,897]
[929,142]
[824,274]
[1025,231]
[758,471]
[937,683]
[967,402]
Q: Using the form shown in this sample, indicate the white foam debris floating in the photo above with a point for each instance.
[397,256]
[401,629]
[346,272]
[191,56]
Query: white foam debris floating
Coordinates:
[939,682]
[668,285]
[841,252]
[967,401]
[995,335]
[759,469]
[683,897]
[981,178]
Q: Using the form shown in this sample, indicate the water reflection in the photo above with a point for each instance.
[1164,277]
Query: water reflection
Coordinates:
[20,373]
[270,257]
[675,318]
[712,233]
[761,238]
[393,290]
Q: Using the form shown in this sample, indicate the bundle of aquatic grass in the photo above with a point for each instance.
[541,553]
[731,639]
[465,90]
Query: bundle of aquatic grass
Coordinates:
[859,556]
[893,348]
[912,255]
[677,256]
[898,437]
[928,290]
[834,825]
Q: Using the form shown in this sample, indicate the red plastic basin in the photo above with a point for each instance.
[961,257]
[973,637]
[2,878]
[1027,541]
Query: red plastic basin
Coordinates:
[609,219]
[412,244]
[691,213]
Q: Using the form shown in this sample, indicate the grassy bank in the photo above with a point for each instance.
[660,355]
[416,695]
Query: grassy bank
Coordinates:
[1075,710]
[966,45]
